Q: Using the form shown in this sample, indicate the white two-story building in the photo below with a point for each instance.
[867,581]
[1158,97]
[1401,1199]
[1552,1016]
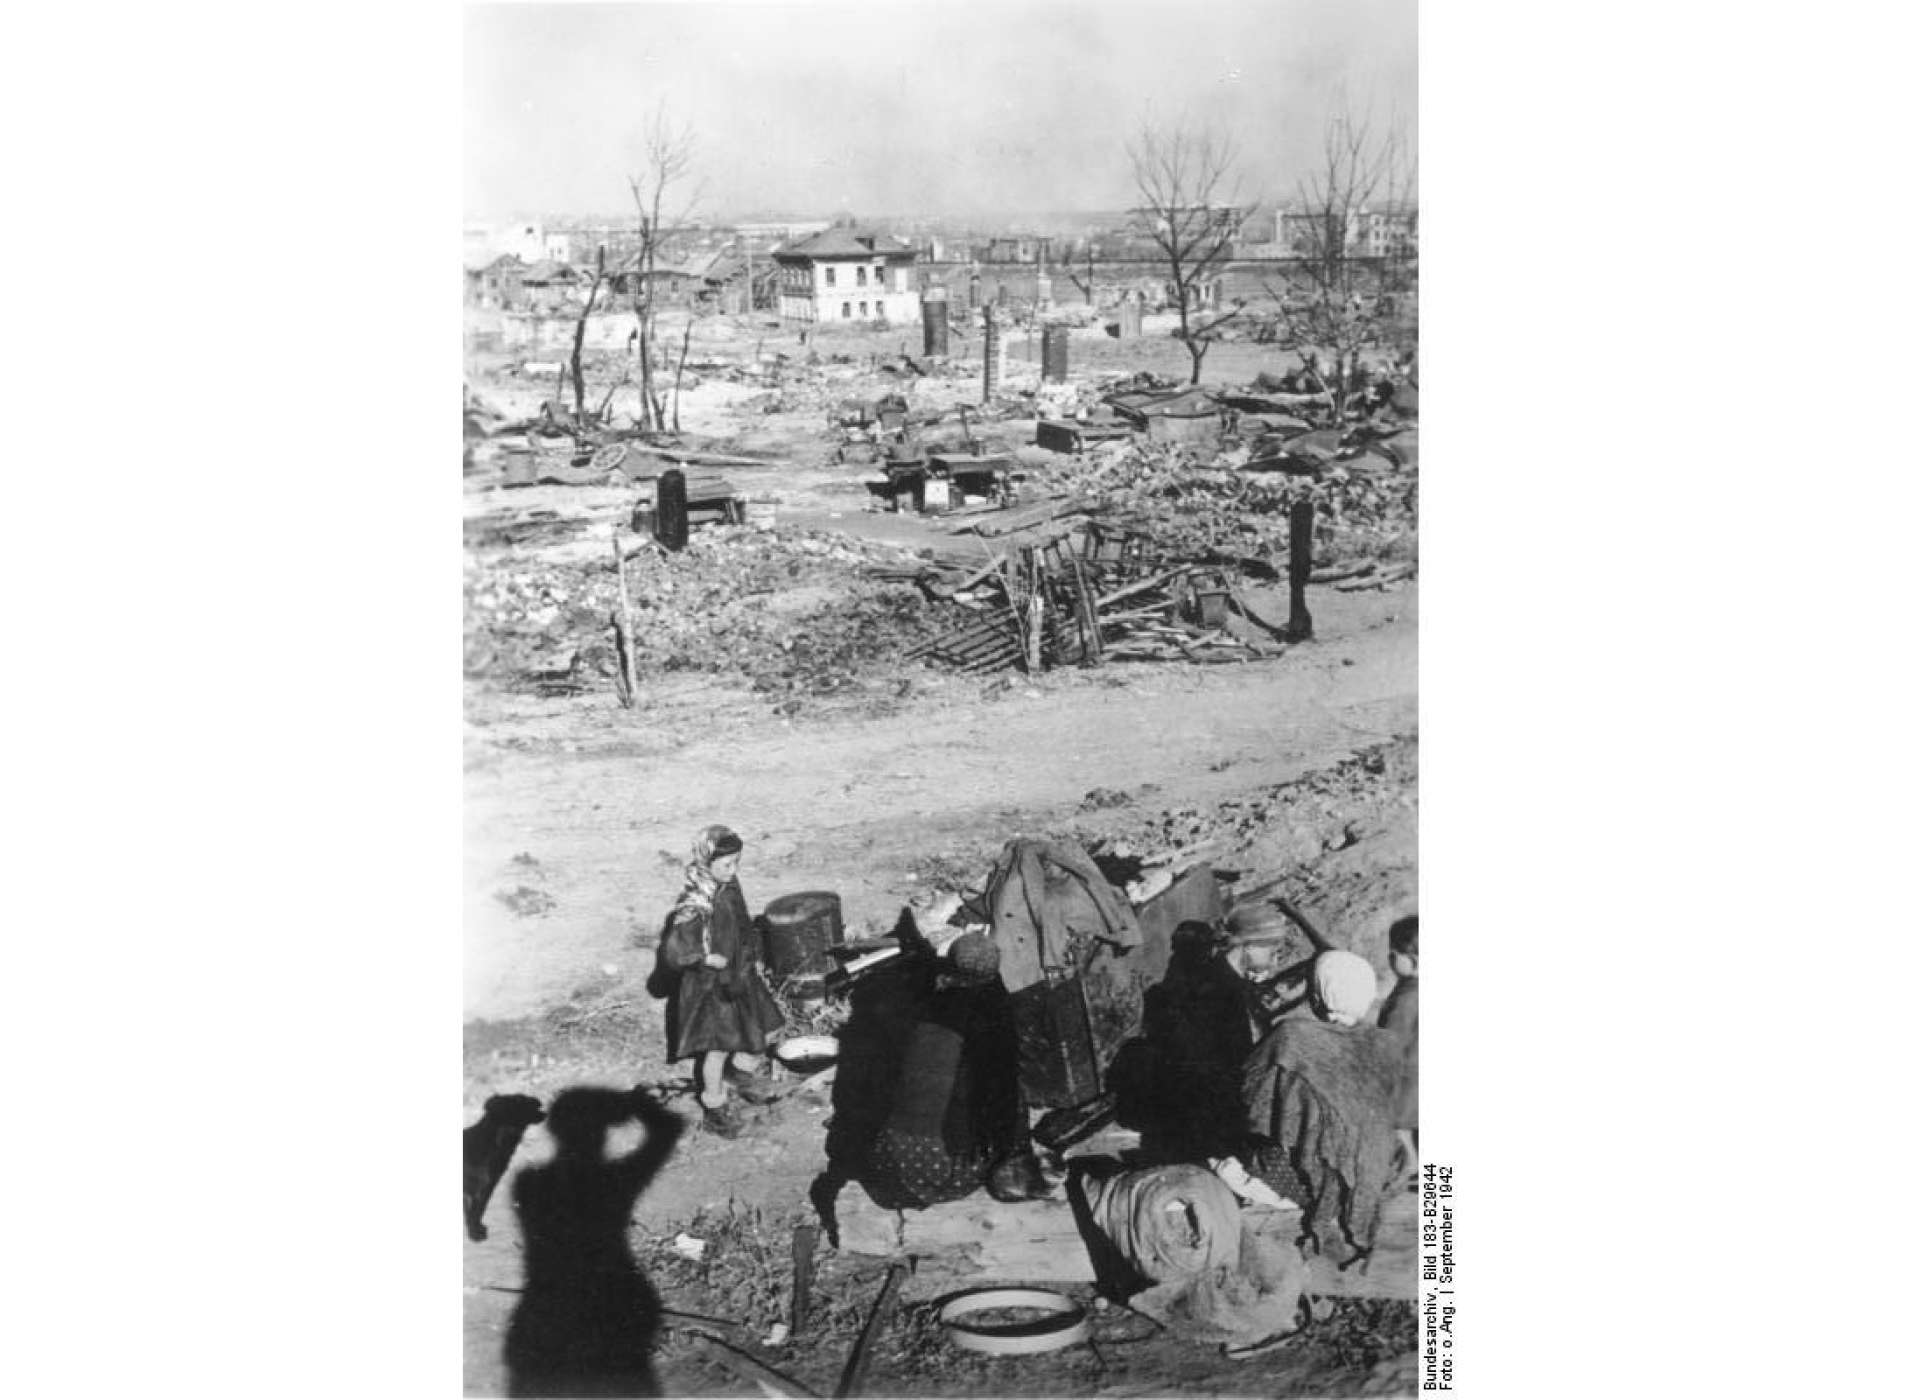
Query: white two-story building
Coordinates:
[842,274]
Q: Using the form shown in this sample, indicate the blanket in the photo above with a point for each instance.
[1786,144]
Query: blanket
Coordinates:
[1179,1229]
[1325,1097]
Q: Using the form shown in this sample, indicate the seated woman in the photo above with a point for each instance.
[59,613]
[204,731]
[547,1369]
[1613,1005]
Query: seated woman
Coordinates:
[1322,1097]
[926,1101]
[1255,934]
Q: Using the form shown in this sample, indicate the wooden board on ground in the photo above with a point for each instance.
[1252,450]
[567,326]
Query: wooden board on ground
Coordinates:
[1025,517]
[1039,1241]
[1027,1239]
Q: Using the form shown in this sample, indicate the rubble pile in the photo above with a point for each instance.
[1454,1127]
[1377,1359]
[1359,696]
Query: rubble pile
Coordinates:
[1295,831]
[1140,522]
[790,611]
[1323,812]
[1299,832]
[1196,506]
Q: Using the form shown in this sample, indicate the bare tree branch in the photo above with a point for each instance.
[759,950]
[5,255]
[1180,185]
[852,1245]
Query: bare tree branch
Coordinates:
[1188,190]
[667,152]
[1349,295]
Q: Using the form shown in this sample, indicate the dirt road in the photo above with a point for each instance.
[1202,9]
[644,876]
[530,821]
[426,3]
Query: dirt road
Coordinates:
[604,803]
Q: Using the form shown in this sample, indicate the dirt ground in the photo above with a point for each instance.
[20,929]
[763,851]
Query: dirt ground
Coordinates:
[580,813]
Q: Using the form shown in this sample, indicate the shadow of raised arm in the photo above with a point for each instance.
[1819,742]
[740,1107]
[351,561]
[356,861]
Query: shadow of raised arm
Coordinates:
[664,1128]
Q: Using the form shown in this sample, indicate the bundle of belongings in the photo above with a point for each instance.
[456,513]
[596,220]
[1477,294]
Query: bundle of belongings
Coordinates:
[1322,1100]
[926,1104]
[1047,906]
[981,1017]
[1178,1230]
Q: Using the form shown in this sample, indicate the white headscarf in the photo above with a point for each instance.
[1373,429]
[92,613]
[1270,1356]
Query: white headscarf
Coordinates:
[696,896]
[1344,984]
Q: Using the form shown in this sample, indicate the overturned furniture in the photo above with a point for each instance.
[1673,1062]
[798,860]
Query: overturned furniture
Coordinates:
[1113,598]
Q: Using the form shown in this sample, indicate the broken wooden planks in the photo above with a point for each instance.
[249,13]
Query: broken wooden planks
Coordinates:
[677,457]
[1380,578]
[1040,1241]
[1048,607]
[1018,518]
[862,1354]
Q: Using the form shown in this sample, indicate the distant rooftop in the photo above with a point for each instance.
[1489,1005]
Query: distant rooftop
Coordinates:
[844,243]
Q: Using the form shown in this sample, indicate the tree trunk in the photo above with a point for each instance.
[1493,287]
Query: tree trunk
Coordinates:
[649,408]
[1197,350]
[579,343]
[680,370]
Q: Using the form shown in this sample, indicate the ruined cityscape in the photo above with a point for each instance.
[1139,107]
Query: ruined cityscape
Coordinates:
[942,785]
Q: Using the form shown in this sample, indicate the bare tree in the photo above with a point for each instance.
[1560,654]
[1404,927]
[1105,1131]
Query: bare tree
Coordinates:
[1188,190]
[1085,287]
[579,344]
[1354,234]
[668,153]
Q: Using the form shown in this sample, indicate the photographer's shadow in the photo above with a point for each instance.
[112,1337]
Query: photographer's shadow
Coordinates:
[588,1318]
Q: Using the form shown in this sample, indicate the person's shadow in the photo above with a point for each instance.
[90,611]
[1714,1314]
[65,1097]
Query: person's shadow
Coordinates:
[587,1317]
[1178,1082]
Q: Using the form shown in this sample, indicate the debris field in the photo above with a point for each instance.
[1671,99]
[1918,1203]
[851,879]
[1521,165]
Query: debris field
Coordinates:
[851,548]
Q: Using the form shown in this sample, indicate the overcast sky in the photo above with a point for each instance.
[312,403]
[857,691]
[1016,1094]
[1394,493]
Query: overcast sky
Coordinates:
[909,106]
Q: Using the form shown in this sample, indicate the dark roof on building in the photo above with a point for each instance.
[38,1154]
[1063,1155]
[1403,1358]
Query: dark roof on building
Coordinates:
[550,272]
[845,243]
[504,262]
[697,265]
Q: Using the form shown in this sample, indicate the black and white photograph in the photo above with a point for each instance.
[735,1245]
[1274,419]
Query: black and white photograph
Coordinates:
[920,773]
[941,604]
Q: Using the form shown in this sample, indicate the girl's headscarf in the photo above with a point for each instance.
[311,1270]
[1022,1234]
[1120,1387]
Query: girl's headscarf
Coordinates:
[710,845]
[1344,984]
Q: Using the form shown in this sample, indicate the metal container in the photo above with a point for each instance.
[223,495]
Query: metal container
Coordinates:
[1183,427]
[670,513]
[800,929]
[1210,604]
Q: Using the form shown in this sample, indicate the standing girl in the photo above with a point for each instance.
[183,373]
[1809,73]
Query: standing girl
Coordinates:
[722,1005]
